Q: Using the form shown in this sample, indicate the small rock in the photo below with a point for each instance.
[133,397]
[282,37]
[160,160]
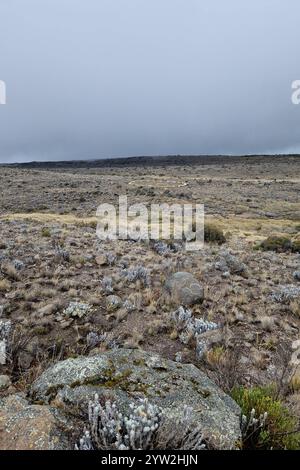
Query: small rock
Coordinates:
[185,289]
[25,360]
[296,344]
[101,260]
[66,323]
[267,323]
[231,263]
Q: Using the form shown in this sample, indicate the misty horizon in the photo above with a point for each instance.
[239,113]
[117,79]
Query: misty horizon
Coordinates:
[137,78]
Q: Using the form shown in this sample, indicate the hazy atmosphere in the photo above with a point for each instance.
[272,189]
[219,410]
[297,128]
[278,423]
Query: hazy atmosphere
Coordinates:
[106,78]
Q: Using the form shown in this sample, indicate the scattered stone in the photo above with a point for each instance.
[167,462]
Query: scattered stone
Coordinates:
[25,360]
[184,288]
[101,260]
[66,323]
[231,263]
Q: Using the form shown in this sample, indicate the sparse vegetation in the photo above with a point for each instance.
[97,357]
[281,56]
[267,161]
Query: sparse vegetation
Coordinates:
[144,428]
[46,232]
[67,294]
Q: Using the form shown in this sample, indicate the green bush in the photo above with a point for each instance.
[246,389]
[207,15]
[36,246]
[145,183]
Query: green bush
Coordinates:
[280,428]
[213,234]
[46,232]
[296,246]
[280,244]
[275,243]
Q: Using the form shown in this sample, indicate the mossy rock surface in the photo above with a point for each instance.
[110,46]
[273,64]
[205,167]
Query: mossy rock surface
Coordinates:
[125,375]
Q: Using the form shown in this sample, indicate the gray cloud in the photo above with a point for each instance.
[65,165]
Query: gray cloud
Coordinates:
[102,78]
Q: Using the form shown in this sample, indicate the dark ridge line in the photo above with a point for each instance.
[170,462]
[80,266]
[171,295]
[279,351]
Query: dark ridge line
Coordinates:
[149,161]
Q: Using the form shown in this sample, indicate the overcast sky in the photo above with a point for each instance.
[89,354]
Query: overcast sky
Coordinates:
[104,78]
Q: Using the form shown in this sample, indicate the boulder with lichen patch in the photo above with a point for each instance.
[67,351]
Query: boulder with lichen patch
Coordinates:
[126,375]
[184,289]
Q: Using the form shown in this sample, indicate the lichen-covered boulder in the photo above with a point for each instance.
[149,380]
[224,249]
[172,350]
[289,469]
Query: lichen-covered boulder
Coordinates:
[184,288]
[125,375]
[30,427]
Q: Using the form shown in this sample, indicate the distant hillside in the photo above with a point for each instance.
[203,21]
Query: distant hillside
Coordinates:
[152,161]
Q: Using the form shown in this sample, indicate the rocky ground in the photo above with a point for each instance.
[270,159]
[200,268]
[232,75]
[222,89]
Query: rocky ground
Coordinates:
[233,311]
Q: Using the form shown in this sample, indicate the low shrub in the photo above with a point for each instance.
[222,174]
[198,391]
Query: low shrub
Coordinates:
[279,244]
[296,246]
[276,243]
[144,427]
[213,234]
[267,423]
[46,232]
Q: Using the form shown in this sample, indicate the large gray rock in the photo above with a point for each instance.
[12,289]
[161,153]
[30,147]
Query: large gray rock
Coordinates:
[125,375]
[185,289]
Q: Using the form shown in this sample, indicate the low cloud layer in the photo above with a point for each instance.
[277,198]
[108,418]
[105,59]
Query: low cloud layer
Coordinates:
[105,78]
